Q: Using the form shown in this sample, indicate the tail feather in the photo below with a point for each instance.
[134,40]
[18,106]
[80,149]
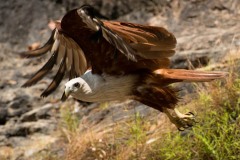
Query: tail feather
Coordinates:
[190,75]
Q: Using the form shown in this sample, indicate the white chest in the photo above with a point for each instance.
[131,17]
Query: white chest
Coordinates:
[105,88]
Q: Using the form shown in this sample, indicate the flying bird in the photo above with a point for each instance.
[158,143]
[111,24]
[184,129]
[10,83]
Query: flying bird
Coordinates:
[127,61]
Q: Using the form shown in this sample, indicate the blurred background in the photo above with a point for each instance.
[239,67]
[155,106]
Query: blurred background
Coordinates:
[208,35]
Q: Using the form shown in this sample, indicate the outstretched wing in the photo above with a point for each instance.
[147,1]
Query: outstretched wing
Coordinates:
[149,42]
[66,52]
[131,39]
[95,24]
[146,47]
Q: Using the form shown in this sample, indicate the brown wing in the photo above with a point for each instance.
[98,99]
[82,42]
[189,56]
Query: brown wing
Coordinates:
[146,47]
[66,52]
[150,42]
[131,39]
[96,25]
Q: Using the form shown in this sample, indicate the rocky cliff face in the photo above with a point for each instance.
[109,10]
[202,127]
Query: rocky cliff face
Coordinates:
[206,31]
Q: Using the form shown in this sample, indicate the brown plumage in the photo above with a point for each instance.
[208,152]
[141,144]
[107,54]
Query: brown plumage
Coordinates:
[83,40]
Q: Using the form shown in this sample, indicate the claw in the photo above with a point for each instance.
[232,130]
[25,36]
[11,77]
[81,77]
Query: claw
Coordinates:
[182,121]
[190,113]
[180,129]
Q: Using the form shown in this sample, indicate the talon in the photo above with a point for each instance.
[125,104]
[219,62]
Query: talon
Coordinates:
[190,113]
[184,127]
[190,125]
[182,121]
[181,129]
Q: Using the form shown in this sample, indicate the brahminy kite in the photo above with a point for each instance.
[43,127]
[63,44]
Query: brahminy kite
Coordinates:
[127,61]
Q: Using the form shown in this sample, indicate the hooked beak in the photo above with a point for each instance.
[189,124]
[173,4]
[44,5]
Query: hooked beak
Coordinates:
[65,95]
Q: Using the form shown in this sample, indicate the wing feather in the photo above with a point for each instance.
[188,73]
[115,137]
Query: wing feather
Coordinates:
[157,54]
[119,43]
[40,51]
[150,47]
[76,62]
[149,42]
[79,60]
[61,50]
[56,80]
[69,59]
[42,72]
[69,54]
[82,62]
[55,46]
[94,24]
[132,39]
[66,52]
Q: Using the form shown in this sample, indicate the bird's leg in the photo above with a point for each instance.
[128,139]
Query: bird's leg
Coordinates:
[182,121]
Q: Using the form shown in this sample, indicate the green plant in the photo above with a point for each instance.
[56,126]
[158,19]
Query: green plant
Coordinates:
[70,120]
[217,136]
[137,135]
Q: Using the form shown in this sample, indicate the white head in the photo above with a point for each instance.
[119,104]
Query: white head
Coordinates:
[76,85]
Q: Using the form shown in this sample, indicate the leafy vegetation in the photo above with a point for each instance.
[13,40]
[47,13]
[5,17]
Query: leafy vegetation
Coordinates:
[217,135]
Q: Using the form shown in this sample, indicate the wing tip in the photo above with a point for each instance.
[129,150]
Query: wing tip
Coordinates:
[25,55]
[44,95]
[27,84]
[41,50]
[24,86]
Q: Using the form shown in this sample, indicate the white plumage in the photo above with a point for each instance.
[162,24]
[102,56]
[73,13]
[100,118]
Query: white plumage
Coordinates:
[95,88]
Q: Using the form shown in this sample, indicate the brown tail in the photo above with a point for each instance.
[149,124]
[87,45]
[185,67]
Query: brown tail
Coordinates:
[190,75]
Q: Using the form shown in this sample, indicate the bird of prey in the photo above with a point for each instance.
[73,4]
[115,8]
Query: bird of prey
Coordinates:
[127,60]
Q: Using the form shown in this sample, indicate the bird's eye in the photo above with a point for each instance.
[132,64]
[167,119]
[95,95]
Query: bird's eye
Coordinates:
[77,85]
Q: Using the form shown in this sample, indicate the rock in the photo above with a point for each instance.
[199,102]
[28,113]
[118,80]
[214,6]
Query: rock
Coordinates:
[3,140]
[27,148]
[196,58]
[18,106]
[27,128]
[37,113]
[16,112]
[3,115]
[18,102]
